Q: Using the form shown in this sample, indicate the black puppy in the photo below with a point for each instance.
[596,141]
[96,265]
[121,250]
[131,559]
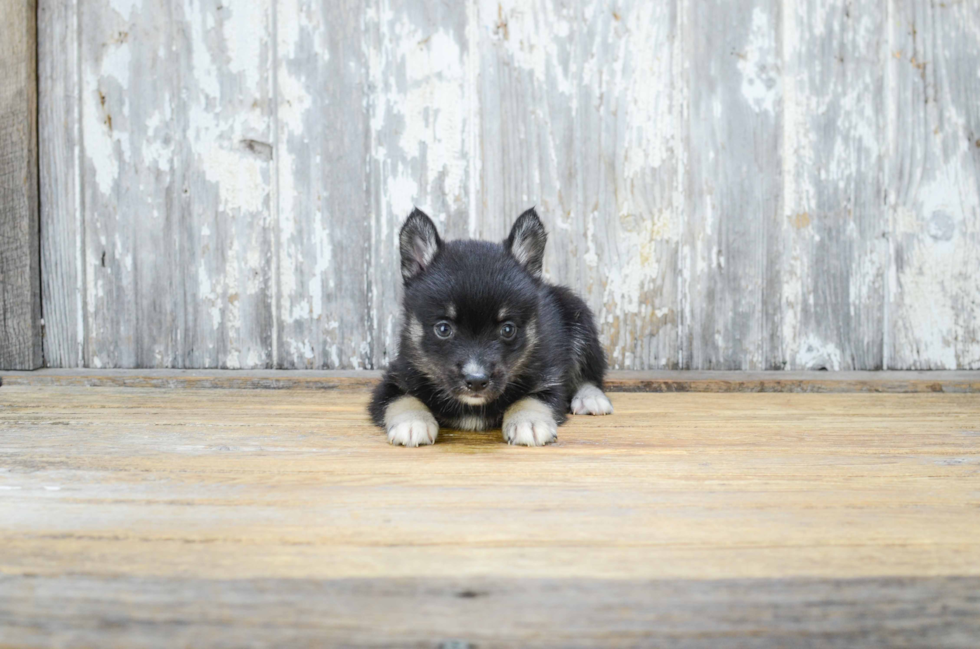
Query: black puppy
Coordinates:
[486,343]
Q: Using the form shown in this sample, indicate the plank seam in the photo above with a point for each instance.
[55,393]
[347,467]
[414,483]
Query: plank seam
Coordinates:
[81,302]
[37,173]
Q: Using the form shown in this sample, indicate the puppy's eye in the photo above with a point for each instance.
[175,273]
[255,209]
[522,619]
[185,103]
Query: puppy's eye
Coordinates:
[443,329]
[508,330]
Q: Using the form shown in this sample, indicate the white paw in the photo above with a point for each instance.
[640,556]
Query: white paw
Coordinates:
[409,423]
[529,423]
[590,400]
[414,432]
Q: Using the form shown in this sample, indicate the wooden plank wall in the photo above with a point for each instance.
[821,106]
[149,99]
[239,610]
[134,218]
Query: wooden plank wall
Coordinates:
[20,286]
[747,184]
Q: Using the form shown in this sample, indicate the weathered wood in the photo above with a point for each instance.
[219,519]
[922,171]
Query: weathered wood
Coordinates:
[177,108]
[952,382]
[731,279]
[588,124]
[423,148]
[196,379]
[140,517]
[60,148]
[833,222]
[85,611]
[223,185]
[131,224]
[738,185]
[20,270]
[933,185]
[325,226]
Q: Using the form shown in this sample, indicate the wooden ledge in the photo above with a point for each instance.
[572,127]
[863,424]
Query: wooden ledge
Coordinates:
[963,381]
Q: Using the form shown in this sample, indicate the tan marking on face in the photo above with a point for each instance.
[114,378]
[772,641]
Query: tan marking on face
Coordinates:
[422,362]
[451,310]
[415,331]
[531,334]
[502,314]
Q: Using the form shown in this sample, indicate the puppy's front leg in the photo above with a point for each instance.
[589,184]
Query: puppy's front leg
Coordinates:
[409,422]
[530,422]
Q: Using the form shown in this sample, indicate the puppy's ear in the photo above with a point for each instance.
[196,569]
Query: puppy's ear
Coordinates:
[526,242]
[419,244]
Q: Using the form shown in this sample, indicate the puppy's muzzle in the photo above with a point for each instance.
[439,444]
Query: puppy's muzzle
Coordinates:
[476,381]
[476,384]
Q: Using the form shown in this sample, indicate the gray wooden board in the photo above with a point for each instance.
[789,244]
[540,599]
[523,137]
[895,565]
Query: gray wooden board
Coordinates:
[225,129]
[20,273]
[128,239]
[421,147]
[83,610]
[62,267]
[729,280]
[749,185]
[955,381]
[933,184]
[322,224]
[587,125]
[832,228]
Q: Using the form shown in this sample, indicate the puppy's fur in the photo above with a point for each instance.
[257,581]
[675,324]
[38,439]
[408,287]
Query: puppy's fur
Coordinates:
[486,343]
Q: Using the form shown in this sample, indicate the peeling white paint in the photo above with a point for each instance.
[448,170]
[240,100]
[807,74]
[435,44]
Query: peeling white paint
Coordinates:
[759,63]
[402,193]
[815,354]
[244,50]
[519,27]
[105,147]
[647,95]
[626,284]
[125,7]
[295,102]
[937,295]
[238,177]
[323,240]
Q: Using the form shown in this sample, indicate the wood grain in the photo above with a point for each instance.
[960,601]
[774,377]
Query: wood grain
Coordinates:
[324,232]
[833,224]
[131,516]
[223,282]
[20,271]
[933,182]
[131,222]
[951,382]
[935,612]
[588,126]
[730,279]
[62,250]
[422,147]
[744,185]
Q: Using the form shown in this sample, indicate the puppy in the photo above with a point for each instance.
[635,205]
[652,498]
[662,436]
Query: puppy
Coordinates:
[486,343]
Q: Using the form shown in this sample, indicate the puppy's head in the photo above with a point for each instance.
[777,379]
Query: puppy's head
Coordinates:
[471,307]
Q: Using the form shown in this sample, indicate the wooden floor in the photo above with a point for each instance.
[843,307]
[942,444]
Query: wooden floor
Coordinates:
[176,517]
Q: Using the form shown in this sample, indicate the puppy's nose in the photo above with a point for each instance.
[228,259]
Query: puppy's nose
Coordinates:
[476,380]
